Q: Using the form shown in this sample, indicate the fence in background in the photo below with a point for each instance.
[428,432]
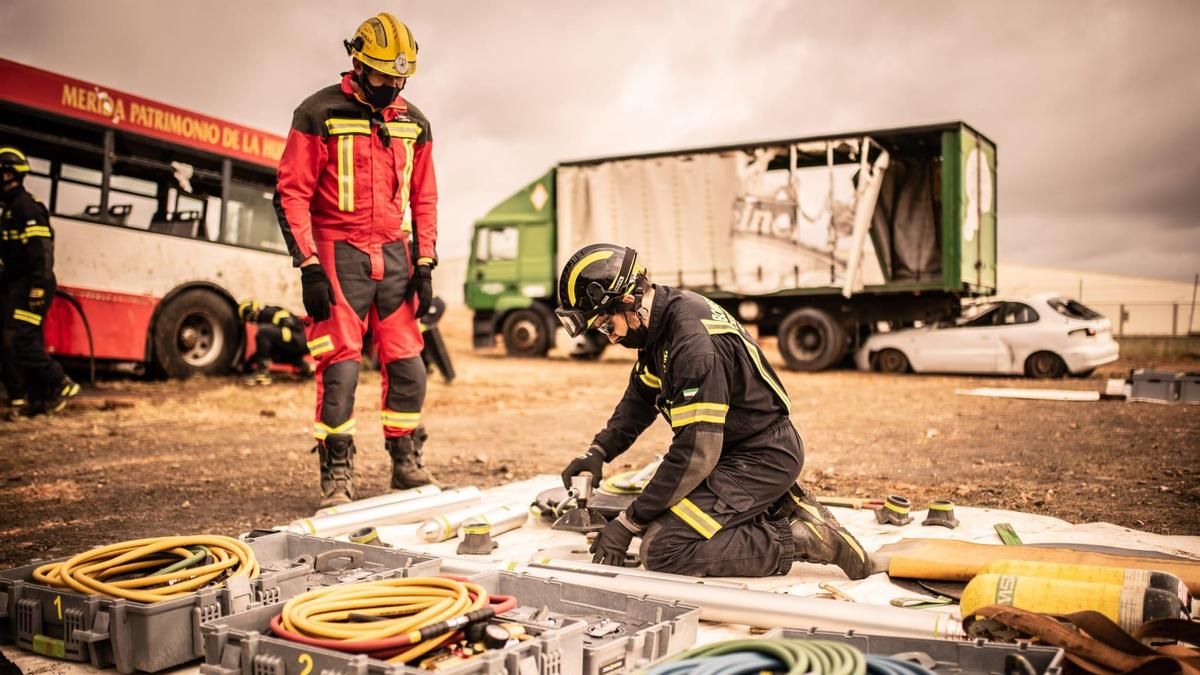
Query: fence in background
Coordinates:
[1150,319]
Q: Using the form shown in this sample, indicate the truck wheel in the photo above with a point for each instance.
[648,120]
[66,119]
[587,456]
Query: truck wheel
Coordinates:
[196,334]
[593,345]
[1045,365]
[525,333]
[811,340]
[891,361]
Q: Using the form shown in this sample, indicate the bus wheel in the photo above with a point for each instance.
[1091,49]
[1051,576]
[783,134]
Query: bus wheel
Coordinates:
[196,334]
[526,333]
[811,340]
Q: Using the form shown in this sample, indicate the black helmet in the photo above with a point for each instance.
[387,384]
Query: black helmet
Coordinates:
[13,160]
[591,280]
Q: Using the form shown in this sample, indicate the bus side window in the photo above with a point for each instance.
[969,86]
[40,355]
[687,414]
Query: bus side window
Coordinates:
[132,201]
[250,217]
[78,188]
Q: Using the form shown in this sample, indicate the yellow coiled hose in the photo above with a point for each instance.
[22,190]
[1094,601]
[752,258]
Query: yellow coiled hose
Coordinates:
[385,618]
[179,566]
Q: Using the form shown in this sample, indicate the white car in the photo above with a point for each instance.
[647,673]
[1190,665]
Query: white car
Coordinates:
[1045,335]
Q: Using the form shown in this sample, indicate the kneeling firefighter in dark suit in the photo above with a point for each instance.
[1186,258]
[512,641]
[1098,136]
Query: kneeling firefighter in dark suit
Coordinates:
[724,501]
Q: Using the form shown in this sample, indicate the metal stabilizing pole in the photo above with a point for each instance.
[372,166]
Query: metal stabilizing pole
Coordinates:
[741,606]
[395,513]
[445,526]
[389,498]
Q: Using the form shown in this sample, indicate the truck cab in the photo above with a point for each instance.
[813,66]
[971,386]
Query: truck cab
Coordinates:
[511,272]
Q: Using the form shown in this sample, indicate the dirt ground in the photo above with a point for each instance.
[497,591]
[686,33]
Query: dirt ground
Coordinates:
[144,458]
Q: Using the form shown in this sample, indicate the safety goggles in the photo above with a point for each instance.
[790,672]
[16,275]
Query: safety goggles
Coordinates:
[576,321]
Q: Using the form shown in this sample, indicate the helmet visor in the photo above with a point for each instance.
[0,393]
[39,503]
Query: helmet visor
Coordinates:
[574,320]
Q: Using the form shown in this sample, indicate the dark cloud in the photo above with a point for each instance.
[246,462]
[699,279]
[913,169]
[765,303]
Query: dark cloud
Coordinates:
[1094,105]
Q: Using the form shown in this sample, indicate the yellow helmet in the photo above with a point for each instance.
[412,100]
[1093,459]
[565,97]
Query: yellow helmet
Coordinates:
[385,44]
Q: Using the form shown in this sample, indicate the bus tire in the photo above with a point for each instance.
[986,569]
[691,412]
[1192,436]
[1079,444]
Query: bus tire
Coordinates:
[526,333]
[811,340]
[196,334]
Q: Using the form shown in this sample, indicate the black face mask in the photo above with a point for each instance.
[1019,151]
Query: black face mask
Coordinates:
[635,338]
[378,97]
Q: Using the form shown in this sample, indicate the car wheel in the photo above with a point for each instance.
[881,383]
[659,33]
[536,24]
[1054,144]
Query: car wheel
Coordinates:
[1046,365]
[196,334]
[811,340]
[525,334]
[891,361]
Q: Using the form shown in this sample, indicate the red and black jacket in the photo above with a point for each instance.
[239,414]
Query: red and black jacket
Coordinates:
[348,173]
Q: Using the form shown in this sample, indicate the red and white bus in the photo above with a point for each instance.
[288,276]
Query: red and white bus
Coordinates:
[162,217]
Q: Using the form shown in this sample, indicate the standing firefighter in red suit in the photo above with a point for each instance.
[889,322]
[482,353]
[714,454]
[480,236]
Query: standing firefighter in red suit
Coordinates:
[358,157]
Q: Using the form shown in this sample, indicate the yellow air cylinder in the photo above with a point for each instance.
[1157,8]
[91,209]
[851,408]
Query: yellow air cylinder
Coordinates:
[1129,606]
[1093,574]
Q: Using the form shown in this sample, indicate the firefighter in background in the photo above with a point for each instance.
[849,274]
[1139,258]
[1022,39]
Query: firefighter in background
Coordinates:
[279,337]
[724,501]
[357,158]
[27,251]
[10,374]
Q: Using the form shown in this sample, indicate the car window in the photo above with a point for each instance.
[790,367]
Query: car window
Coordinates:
[989,317]
[1018,313]
[1073,309]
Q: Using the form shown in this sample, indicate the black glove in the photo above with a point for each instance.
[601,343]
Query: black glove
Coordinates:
[37,299]
[591,461]
[318,292]
[613,541]
[421,285]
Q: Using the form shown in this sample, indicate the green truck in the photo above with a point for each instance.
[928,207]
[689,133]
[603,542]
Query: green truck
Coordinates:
[818,241]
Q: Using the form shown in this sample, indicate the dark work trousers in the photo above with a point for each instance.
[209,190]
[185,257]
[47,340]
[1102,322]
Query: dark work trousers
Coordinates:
[269,344]
[10,370]
[746,484]
[22,329]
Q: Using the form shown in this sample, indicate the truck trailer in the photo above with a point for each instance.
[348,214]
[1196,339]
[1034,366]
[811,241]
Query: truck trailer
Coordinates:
[818,241]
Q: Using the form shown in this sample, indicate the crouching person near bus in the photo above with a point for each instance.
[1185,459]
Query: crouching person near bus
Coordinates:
[279,337]
[27,250]
[724,501]
[359,156]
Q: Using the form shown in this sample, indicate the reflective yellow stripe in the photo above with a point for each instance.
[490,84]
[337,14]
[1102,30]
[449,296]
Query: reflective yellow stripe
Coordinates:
[579,267]
[320,345]
[650,380]
[37,231]
[698,412]
[400,420]
[410,149]
[280,316]
[852,543]
[410,130]
[697,519]
[345,150]
[321,430]
[720,327]
[287,334]
[27,317]
[339,126]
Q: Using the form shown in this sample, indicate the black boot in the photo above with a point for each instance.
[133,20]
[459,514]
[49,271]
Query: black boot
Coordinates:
[337,469]
[60,394]
[408,469]
[820,538]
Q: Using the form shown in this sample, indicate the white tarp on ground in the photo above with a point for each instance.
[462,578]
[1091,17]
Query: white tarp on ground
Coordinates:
[536,540]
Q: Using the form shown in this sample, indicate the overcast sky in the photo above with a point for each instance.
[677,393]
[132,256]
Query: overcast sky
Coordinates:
[1095,106]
